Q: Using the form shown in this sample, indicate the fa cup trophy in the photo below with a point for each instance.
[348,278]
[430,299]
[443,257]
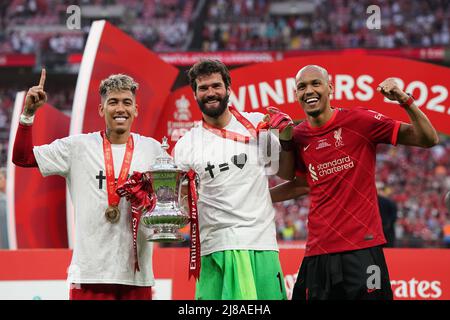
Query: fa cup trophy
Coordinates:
[169,214]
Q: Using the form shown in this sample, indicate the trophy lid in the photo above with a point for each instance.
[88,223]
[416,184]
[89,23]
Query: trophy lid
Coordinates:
[164,161]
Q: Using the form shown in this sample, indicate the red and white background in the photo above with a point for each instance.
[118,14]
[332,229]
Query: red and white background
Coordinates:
[40,219]
[419,274]
[354,76]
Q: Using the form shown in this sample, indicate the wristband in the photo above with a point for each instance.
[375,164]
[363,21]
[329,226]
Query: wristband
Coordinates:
[26,120]
[408,102]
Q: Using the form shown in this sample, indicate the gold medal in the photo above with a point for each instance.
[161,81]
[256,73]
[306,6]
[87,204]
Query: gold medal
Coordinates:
[112,214]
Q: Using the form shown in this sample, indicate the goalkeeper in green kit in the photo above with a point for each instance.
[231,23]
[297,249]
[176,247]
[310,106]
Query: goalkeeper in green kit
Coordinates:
[239,251]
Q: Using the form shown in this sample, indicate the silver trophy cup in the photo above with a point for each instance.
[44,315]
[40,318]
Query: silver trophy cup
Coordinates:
[169,214]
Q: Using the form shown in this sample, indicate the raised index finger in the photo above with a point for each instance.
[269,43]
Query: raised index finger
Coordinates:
[42,80]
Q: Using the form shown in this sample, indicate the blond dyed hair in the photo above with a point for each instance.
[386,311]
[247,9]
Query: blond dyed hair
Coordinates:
[118,82]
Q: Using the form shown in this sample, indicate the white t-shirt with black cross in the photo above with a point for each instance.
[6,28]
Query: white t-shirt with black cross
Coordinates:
[103,252]
[234,208]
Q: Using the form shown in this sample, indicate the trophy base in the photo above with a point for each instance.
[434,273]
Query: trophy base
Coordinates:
[167,233]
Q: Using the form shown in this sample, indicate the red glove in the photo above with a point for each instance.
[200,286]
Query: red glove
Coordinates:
[276,120]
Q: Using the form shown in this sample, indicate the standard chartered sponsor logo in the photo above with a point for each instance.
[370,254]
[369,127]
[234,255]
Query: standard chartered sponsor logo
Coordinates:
[327,168]
[313,172]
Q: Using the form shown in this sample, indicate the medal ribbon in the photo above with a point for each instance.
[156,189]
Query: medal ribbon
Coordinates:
[233,135]
[194,250]
[139,191]
[111,185]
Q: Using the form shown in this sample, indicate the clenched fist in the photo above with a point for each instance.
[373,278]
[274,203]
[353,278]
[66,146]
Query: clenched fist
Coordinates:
[390,89]
[35,97]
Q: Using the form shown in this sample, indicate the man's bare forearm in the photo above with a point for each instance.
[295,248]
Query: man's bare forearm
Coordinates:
[421,132]
[288,190]
[286,168]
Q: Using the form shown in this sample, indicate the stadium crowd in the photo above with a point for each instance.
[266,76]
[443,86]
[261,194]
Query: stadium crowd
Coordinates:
[252,25]
[165,25]
[32,26]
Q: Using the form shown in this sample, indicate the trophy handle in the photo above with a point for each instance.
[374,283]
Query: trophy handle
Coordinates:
[183,190]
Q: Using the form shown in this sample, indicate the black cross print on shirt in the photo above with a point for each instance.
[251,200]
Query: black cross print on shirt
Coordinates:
[210,169]
[100,177]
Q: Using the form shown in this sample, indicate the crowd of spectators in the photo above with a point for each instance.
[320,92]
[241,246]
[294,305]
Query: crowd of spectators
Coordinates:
[161,25]
[165,25]
[415,179]
[331,24]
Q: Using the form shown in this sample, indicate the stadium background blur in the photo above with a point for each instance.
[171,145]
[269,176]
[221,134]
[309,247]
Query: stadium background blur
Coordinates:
[33,33]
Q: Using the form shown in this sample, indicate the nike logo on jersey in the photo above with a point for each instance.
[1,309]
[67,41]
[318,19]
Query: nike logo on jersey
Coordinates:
[305,148]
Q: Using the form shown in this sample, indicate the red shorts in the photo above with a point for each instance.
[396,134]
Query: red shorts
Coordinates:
[106,291]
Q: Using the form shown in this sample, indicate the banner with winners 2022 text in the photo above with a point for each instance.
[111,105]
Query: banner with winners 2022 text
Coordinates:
[354,78]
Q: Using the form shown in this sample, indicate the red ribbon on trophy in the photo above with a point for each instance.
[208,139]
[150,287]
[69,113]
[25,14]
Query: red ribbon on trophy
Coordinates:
[139,191]
[194,249]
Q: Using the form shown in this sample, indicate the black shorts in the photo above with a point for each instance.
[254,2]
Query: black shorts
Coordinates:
[351,275]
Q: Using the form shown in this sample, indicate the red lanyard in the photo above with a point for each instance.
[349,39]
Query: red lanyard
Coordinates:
[113,197]
[233,135]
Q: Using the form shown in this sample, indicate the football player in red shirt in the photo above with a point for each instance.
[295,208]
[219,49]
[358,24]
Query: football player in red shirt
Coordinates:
[335,152]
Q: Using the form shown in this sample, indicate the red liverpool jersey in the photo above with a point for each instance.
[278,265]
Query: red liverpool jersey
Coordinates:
[338,160]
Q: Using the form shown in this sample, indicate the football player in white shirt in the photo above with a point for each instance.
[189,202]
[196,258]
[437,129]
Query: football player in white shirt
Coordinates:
[105,264]
[238,245]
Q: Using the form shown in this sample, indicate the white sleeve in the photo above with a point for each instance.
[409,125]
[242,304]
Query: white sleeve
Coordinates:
[254,117]
[154,147]
[182,155]
[54,158]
